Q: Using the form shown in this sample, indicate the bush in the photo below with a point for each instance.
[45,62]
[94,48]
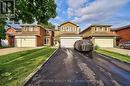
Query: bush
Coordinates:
[96,47]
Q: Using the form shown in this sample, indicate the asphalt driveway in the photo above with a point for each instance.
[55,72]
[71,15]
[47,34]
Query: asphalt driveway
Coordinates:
[71,68]
[12,50]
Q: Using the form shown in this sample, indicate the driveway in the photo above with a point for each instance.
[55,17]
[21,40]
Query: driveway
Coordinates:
[118,50]
[12,50]
[70,68]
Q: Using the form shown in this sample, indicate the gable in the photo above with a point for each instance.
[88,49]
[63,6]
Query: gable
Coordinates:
[68,23]
[11,30]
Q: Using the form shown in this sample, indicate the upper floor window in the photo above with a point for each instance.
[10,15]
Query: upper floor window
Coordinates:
[106,29]
[96,29]
[70,29]
[62,28]
[103,28]
[31,29]
[26,28]
[75,29]
[67,28]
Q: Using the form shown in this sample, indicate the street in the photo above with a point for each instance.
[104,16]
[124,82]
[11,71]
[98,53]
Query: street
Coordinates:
[70,68]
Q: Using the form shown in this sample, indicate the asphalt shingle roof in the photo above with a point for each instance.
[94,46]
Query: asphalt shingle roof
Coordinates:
[15,26]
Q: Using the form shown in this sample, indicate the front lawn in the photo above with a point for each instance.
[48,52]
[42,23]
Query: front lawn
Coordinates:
[15,67]
[118,56]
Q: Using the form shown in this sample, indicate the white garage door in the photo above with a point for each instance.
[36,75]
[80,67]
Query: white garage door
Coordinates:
[104,42]
[26,42]
[68,42]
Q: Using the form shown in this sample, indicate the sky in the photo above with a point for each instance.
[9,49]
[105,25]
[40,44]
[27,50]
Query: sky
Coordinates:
[88,12]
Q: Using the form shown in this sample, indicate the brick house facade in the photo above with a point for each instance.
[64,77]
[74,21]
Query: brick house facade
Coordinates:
[29,35]
[124,33]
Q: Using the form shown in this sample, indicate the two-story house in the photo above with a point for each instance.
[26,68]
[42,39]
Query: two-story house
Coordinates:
[100,35]
[66,34]
[31,35]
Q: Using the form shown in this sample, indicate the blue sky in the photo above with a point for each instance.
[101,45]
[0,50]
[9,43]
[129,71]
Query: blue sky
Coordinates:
[87,12]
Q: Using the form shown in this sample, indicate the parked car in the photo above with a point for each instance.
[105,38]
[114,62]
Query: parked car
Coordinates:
[125,45]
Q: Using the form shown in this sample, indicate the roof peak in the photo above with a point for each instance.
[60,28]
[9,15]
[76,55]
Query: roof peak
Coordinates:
[69,22]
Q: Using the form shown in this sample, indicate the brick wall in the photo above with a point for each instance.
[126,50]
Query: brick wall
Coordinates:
[124,34]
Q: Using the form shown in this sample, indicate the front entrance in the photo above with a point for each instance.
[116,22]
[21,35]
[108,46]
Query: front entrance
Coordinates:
[11,41]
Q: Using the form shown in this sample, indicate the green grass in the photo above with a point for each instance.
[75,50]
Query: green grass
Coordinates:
[15,67]
[115,55]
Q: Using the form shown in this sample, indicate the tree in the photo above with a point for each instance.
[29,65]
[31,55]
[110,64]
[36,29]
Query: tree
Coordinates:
[29,10]
[2,31]
[48,25]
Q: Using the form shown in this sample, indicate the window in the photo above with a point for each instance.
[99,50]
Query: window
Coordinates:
[103,28]
[70,29]
[75,29]
[46,40]
[31,29]
[95,29]
[27,28]
[106,29]
[62,28]
[67,28]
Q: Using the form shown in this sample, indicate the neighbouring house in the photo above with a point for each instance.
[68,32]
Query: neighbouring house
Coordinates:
[66,34]
[31,35]
[49,37]
[11,33]
[124,33]
[100,35]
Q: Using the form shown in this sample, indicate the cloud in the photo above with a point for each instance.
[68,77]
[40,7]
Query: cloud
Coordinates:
[75,3]
[93,11]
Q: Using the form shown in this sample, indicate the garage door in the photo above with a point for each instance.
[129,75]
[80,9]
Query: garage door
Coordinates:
[104,42]
[68,42]
[26,42]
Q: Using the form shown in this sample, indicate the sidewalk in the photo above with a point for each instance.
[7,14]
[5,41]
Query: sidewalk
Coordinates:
[13,50]
[118,50]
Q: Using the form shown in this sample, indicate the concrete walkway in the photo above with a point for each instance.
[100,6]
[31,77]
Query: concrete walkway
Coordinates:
[12,50]
[118,50]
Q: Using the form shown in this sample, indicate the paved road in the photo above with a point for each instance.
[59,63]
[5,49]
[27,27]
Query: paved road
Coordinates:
[71,68]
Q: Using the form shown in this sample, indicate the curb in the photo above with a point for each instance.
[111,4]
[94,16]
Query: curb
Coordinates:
[37,69]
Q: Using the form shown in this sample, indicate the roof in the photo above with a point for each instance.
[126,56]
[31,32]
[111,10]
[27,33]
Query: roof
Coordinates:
[15,26]
[106,34]
[70,35]
[94,25]
[121,28]
[103,25]
[69,22]
[28,25]
[32,25]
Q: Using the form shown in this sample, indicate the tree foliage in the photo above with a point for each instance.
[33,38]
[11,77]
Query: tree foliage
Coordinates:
[29,10]
[48,25]
[2,30]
